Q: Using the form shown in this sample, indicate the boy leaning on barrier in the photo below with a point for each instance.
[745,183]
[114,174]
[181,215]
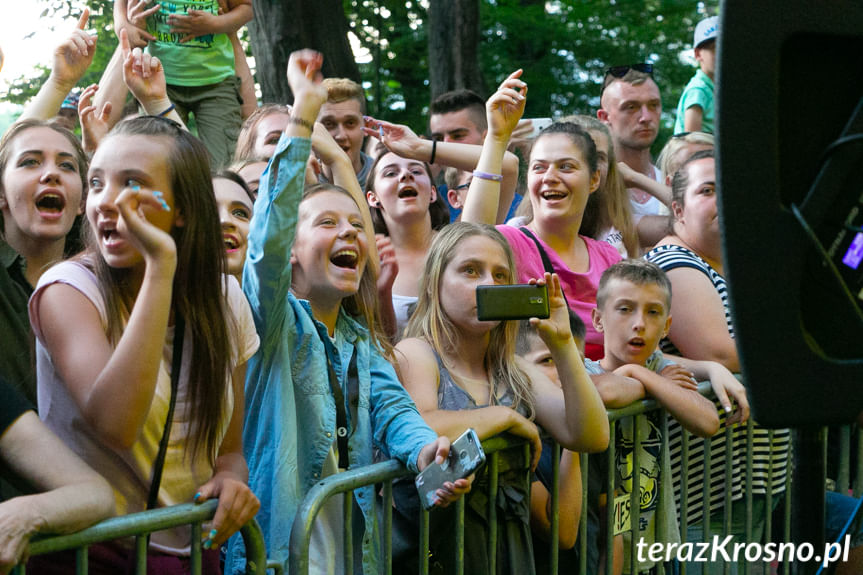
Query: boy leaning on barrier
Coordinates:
[633,304]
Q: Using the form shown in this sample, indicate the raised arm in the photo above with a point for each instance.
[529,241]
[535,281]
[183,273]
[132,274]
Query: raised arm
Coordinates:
[403,141]
[634,179]
[144,76]
[73,495]
[71,60]
[266,275]
[573,413]
[503,110]
[113,386]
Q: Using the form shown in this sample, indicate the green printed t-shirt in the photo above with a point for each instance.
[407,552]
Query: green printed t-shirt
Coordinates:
[204,60]
[698,92]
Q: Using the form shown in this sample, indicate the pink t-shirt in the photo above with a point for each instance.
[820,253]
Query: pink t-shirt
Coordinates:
[129,471]
[580,289]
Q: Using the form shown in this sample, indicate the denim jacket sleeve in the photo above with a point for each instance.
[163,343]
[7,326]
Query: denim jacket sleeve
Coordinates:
[267,273]
[398,427]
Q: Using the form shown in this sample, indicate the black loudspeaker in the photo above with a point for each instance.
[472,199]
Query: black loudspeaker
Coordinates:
[790,171]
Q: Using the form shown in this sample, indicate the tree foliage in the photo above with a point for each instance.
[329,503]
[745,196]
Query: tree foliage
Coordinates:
[101,22]
[564,47]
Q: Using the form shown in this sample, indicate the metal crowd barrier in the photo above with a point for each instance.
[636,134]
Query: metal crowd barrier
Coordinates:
[384,473]
[149,522]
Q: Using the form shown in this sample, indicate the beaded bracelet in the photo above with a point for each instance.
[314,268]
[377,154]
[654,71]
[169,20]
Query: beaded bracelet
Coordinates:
[434,150]
[302,122]
[487,176]
[168,111]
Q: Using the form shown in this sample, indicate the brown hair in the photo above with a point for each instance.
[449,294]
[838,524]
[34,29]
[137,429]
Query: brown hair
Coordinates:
[637,271]
[199,290]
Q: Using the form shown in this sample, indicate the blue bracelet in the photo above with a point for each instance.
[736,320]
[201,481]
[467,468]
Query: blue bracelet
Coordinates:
[487,176]
[166,112]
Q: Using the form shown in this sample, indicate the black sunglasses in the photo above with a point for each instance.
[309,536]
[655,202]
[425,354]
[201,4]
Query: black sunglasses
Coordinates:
[620,71]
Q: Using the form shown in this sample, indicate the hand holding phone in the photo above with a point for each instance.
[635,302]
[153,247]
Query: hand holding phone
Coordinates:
[516,301]
[465,457]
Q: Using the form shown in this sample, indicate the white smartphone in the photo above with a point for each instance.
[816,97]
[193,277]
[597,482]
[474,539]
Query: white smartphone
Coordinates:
[465,457]
[538,125]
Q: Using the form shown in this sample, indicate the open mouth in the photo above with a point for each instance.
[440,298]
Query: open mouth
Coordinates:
[108,232]
[345,259]
[231,243]
[553,195]
[50,203]
[408,193]
[636,342]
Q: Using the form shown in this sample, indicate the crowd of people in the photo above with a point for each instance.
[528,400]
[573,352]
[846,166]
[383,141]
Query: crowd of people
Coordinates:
[290,292]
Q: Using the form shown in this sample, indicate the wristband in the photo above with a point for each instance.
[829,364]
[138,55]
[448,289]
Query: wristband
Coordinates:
[487,176]
[434,150]
[168,111]
[301,122]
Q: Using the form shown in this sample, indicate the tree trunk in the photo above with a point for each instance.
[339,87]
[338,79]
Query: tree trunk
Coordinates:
[282,26]
[454,46]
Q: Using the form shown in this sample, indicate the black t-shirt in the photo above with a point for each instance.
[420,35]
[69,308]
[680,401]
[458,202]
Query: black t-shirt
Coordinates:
[12,405]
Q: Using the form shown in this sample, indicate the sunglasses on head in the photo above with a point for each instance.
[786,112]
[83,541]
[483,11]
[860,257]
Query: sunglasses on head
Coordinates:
[620,71]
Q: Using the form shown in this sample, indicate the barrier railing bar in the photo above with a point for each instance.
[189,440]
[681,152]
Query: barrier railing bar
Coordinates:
[728,512]
[844,477]
[493,469]
[582,522]
[635,495]
[388,528]
[554,536]
[609,498]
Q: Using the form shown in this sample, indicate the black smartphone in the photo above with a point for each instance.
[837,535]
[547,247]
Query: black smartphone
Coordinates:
[465,457]
[516,301]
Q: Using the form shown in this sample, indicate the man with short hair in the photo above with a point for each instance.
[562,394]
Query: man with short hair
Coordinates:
[631,105]
[458,116]
[342,116]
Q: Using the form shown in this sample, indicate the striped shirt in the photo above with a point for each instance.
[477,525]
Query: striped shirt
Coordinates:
[767,451]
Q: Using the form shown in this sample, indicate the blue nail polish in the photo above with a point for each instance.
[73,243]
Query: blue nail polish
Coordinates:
[160,197]
[207,544]
[197,496]
[213,533]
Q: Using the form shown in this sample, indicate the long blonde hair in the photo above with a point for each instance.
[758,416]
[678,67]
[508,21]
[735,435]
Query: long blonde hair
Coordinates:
[430,322]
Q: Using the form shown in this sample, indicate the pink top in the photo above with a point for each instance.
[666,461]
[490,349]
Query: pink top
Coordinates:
[580,289]
[129,471]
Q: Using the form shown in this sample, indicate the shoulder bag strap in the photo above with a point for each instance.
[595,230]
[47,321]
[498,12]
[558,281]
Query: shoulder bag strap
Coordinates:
[546,261]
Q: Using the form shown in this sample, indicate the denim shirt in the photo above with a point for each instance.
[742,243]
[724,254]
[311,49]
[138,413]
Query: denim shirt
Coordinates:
[290,411]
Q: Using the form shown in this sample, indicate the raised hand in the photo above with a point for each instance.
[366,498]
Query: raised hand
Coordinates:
[505,107]
[304,78]
[74,55]
[94,125]
[143,75]
[325,147]
[133,204]
[389,264]
[399,139]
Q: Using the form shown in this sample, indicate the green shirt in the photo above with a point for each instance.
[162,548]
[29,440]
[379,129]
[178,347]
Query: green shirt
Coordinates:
[203,60]
[16,358]
[698,92]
